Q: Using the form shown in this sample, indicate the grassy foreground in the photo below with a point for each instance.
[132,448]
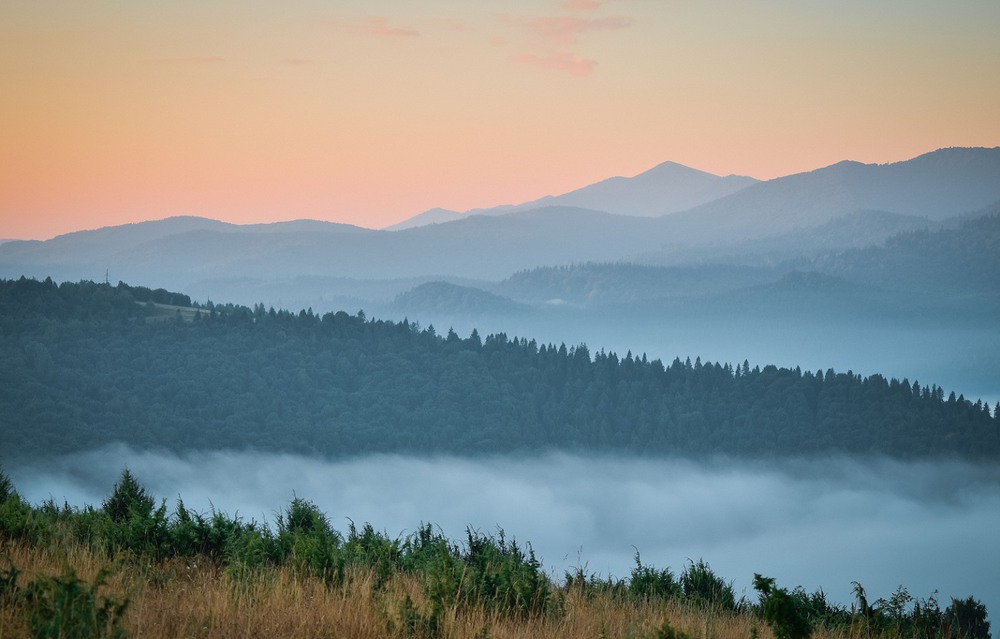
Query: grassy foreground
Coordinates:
[129,569]
[185,598]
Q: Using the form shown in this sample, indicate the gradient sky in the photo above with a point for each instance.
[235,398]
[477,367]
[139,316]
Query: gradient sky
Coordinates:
[370,112]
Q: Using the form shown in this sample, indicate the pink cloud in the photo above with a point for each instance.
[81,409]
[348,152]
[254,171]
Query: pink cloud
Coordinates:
[566,29]
[551,38]
[378,26]
[560,61]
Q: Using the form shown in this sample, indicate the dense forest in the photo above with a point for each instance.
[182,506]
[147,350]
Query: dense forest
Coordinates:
[86,364]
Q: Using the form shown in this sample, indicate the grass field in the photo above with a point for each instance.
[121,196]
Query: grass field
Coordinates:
[194,597]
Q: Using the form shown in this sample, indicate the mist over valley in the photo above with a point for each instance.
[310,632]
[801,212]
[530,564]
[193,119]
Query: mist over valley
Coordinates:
[821,524]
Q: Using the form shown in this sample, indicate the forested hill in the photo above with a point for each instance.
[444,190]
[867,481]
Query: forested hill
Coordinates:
[82,365]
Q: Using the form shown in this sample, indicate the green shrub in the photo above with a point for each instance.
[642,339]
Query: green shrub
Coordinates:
[781,611]
[967,619]
[217,536]
[6,486]
[306,538]
[648,583]
[500,575]
[132,524]
[699,583]
[16,518]
[128,497]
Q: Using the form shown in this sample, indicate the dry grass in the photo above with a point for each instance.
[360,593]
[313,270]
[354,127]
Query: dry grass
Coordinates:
[184,598]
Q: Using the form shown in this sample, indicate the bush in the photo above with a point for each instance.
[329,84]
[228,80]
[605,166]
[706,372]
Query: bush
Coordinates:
[129,497]
[787,619]
[15,513]
[699,583]
[305,535]
[500,575]
[6,487]
[131,522]
[967,619]
[648,583]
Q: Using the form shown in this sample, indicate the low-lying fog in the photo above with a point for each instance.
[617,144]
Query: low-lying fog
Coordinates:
[927,526]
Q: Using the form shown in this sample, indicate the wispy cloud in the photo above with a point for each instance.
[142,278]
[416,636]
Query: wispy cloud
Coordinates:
[568,29]
[379,27]
[560,61]
[550,40]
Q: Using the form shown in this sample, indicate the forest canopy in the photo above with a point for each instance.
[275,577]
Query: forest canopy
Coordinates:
[87,364]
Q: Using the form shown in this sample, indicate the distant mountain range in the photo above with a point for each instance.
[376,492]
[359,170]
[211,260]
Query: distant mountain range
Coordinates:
[935,185]
[666,188]
[795,216]
[949,268]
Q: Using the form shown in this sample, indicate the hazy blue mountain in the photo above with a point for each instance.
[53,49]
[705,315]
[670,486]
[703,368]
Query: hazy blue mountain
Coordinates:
[83,245]
[297,226]
[444,297]
[491,247]
[937,185]
[752,227]
[105,244]
[948,265]
[934,268]
[481,247]
[666,188]
[322,293]
[854,230]
[621,283]
[430,216]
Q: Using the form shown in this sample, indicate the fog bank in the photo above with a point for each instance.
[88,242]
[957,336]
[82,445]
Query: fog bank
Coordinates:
[927,526]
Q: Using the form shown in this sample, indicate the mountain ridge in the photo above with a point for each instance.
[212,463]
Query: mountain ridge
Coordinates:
[175,252]
[937,185]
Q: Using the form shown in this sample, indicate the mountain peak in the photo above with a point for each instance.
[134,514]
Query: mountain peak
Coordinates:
[436,215]
[670,167]
[668,187]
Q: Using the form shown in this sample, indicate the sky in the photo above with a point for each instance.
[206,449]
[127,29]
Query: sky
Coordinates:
[371,112]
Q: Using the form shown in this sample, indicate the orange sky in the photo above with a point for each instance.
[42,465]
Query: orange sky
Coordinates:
[370,112]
